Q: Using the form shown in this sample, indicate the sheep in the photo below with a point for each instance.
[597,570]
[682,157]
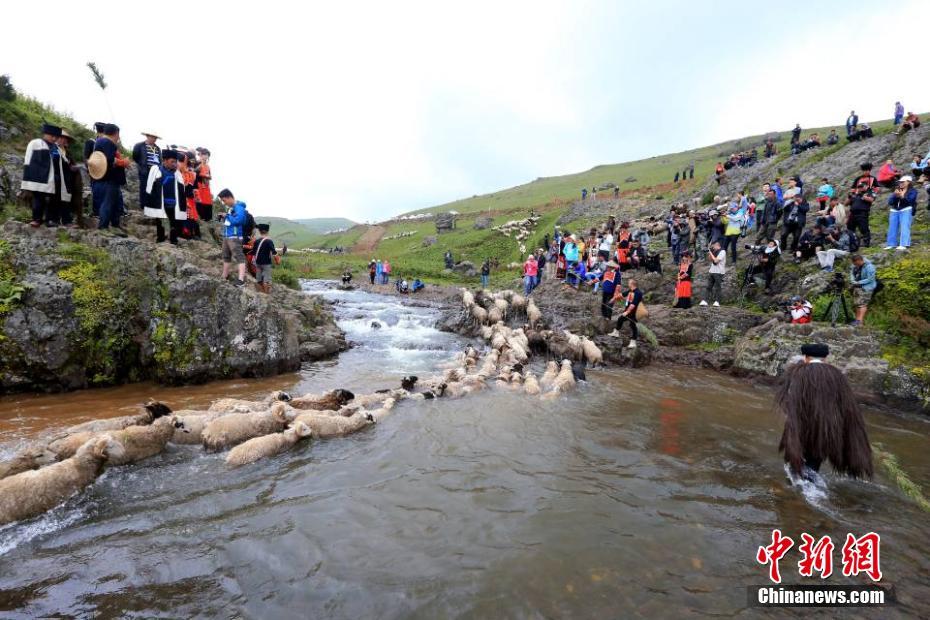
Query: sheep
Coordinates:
[518,303]
[485,332]
[153,410]
[468,300]
[29,494]
[521,337]
[331,400]
[489,365]
[552,369]
[592,353]
[236,405]
[495,315]
[142,442]
[530,384]
[479,314]
[503,306]
[533,314]
[574,344]
[453,374]
[325,427]
[517,350]
[30,457]
[516,381]
[231,430]
[258,448]
[194,422]
[563,382]
[498,342]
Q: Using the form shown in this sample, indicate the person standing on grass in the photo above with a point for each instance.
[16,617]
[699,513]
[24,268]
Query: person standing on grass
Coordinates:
[486,273]
[530,269]
[718,269]
[902,204]
[898,112]
[851,122]
[632,299]
[386,272]
[234,221]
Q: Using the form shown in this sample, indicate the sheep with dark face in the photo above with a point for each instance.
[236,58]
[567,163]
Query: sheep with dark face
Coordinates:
[32,493]
[258,448]
[331,400]
[325,426]
[193,424]
[231,430]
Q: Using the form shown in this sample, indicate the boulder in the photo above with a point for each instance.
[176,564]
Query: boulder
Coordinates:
[445,222]
[428,241]
[465,268]
[483,223]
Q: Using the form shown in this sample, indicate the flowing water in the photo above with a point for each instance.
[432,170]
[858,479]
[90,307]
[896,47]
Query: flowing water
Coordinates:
[643,494]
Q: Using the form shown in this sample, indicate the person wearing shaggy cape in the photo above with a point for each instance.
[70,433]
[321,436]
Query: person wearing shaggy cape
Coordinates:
[823,420]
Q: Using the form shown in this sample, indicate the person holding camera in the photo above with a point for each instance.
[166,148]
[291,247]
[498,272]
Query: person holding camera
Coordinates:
[860,205]
[863,281]
[795,219]
[902,204]
[718,269]
[801,310]
[842,242]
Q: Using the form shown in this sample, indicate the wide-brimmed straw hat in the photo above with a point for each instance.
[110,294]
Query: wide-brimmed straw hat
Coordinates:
[154,134]
[97,165]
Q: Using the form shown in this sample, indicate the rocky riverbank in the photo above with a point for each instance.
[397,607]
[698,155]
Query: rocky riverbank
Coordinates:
[84,308]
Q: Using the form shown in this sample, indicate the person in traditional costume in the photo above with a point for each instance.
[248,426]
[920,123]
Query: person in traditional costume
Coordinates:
[109,169]
[823,420]
[203,196]
[191,226]
[96,196]
[683,286]
[44,176]
[146,154]
[74,211]
[165,196]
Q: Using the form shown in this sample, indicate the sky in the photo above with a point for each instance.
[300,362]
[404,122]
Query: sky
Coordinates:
[369,109]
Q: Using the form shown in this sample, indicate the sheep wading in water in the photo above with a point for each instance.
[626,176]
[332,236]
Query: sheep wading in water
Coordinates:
[31,493]
[258,448]
[331,401]
[233,429]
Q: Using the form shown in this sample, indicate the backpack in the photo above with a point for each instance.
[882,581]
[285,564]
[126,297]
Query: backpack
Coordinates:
[249,226]
[853,241]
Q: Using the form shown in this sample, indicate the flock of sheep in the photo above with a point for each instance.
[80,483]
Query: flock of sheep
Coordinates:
[520,230]
[51,469]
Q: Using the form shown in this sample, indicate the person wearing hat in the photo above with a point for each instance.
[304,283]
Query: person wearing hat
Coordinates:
[203,197]
[75,210]
[95,194]
[109,168]
[901,207]
[146,154]
[44,176]
[165,196]
[262,251]
[823,420]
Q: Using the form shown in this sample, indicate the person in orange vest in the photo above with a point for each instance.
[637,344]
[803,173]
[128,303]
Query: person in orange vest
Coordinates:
[203,196]
[191,227]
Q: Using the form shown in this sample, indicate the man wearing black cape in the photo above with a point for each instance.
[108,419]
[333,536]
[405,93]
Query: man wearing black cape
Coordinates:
[822,418]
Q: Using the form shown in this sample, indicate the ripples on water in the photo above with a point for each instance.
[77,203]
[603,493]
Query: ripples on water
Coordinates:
[643,494]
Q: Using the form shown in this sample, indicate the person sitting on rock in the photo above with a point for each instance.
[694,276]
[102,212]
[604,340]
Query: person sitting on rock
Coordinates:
[888,175]
[833,138]
[346,277]
[811,240]
[837,243]
[911,121]
[417,285]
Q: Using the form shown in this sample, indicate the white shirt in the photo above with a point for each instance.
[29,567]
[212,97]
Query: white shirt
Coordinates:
[721,265]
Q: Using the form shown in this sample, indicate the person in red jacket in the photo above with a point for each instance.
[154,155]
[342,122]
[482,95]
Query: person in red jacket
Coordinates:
[530,269]
[888,175]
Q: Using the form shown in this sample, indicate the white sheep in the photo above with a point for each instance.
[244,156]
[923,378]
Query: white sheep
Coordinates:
[530,384]
[518,303]
[516,348]
[564,381]
[31,493]
[479,314]
[153,410]
[31,457]
[142,442]
[552,370]
[495,315]
[237,405]
[574,344]
[520,336]
[503,306]
[468,300]
[268,445]
[233,429]
[533,315]
[498,342]
[194,422]
[592,353]
[485,332]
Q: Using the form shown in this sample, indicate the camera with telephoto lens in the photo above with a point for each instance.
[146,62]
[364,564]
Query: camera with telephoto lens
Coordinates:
[837,284]
[755,249]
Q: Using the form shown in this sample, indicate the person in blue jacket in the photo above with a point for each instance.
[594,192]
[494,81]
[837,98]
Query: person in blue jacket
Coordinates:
[234,222]
[863,281]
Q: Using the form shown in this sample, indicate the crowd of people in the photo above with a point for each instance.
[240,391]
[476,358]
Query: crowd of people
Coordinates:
[174,192]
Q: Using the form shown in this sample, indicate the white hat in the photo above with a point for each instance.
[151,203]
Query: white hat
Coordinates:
[154,134]
[907,178]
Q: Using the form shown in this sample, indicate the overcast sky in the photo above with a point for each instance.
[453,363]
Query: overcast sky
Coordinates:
[368,109]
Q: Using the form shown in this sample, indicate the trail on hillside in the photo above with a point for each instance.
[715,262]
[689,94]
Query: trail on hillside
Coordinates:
[368,241]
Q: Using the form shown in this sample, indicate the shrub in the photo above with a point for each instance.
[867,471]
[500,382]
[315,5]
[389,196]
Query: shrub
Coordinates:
[7,92]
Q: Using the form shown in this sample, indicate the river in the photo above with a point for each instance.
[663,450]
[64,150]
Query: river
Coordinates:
[645,493]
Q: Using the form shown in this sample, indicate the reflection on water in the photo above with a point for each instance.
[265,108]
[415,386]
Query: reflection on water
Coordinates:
[643,494]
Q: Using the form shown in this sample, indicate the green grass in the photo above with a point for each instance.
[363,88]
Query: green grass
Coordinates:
[27,115]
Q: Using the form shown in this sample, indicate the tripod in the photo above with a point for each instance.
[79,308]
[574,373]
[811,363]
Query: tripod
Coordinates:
[748,278]
[837,302]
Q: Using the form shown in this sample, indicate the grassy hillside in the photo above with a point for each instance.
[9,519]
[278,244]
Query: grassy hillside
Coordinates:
[646,172]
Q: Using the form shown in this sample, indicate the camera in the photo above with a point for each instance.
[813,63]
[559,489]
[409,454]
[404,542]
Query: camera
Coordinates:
[837,284]
[755,249]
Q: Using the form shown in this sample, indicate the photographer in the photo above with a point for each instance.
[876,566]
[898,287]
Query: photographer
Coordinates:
[863,281]
[860,205]
[795,218]
[902,204]
[768,258]
[811,241]
[718,269]
[842,242]
[801,311]
[735,220]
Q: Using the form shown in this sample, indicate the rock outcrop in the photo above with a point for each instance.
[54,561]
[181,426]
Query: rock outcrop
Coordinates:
[101,309]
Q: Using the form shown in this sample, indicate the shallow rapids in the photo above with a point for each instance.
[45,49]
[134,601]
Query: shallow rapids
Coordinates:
[642,494]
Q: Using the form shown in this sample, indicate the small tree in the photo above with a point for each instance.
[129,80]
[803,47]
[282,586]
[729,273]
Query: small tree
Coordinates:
[7,92]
